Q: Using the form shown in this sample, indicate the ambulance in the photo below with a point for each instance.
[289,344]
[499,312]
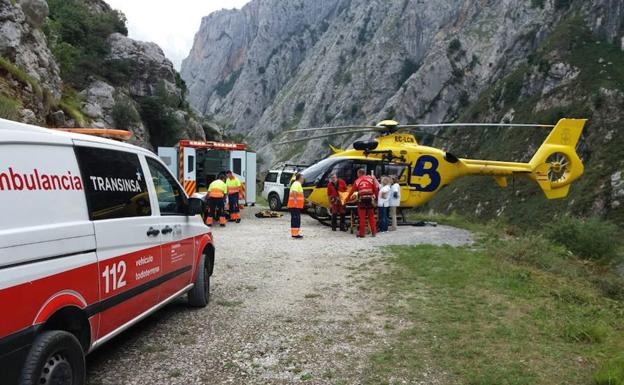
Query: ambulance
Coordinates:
[95,235]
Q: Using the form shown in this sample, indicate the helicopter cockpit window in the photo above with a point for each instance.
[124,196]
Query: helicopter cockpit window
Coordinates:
[343,169]
[313,174]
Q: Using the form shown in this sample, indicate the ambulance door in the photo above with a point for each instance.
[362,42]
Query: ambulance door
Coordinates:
[177,230]
[126,231]
[238,164]
[189,180]
[250,179]
[169,156]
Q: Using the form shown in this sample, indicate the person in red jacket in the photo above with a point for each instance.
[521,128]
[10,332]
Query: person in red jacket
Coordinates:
[334,187]
[366,187]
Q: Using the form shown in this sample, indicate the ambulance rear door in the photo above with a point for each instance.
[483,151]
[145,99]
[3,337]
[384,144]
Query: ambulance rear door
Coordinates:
[238,164]
[169,156]
[250,178]
[189,180]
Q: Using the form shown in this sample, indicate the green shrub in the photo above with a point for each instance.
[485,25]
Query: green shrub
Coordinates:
[594,238]
[225,86]
[78,37]
[611,286]
[531,249]
[562,4]
[157,111]
[9,108]
[612,373]
[408,68]
[125,116]
[537,3]
[454,46]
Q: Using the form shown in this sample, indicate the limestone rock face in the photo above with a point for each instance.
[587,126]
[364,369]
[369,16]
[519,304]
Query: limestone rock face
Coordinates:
[275,65]
[24,45]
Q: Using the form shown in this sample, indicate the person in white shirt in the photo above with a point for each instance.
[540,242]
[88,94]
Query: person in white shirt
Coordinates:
[383,203]
[395,201]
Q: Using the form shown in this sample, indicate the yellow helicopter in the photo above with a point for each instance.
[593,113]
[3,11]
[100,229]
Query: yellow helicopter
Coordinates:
[423,171]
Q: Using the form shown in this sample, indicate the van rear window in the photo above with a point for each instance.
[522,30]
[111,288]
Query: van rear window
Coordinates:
[114,183]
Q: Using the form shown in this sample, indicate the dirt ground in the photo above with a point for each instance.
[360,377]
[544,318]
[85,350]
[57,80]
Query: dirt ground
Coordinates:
[282,311]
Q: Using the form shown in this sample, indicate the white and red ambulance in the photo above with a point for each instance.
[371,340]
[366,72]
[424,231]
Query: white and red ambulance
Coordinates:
[94,236]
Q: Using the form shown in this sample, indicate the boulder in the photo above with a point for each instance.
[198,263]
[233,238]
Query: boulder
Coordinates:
[150,67]
[98,100]
[58,118]
[35,11]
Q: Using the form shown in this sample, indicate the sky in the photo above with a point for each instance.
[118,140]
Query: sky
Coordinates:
[170,24]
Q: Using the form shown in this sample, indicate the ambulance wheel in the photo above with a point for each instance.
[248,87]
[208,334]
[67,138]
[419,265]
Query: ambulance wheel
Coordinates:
[55,358]
[274,202]
[199,296]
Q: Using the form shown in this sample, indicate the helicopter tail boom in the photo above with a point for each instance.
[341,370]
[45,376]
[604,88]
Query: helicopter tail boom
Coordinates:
[556,164]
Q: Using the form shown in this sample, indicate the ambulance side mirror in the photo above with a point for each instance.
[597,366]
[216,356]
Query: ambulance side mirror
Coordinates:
[195,207]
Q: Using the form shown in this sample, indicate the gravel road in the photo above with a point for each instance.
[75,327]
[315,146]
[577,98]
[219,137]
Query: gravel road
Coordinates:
[282,311]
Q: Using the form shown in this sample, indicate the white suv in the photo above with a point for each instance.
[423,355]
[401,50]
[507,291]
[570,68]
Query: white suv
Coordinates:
[277,185]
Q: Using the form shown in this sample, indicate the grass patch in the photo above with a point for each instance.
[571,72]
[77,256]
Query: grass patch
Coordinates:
[9,107]
[21,76]
[260,201]
[612,373]
[511,309]
[71,104]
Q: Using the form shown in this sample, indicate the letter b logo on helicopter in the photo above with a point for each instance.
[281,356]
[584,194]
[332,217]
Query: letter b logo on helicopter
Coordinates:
[427,165]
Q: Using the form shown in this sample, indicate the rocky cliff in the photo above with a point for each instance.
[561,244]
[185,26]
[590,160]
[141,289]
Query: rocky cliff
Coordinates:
[68,63]
[275,65]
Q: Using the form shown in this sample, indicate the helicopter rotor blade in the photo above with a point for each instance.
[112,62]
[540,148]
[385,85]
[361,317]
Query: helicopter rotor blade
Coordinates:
[434,125]
[376,128]
[325,136]
[426,133]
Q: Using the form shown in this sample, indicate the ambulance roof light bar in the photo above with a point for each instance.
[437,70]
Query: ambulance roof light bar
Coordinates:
[213,145]
[120,135]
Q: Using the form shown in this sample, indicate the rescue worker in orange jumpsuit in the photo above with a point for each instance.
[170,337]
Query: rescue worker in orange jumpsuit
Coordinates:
[366,187]
[233,192]
[334,188]
[295,205]
[215,203]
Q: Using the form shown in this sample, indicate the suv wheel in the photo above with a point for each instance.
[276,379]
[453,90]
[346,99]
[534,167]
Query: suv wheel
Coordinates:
[55,357]
[274,202]
[199,295]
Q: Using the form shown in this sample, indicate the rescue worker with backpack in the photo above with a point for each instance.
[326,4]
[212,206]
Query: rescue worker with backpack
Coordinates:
[215,200]
[367,189]
[233,192]
[295,205]
[334,188]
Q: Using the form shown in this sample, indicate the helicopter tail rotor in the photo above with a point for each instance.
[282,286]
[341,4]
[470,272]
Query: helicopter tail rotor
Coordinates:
[556,164]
